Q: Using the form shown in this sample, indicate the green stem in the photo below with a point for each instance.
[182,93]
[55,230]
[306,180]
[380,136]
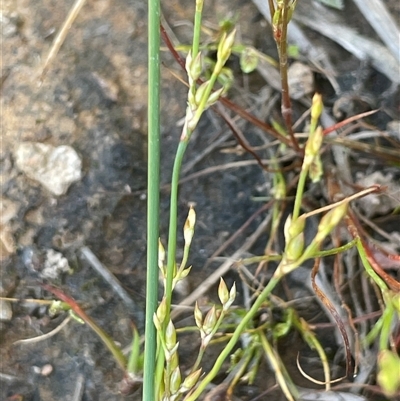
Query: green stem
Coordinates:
[314,343]
[335,251]
[153,200]
[367,266]
[173,217]
[132,367]
[185,258]
[257,259]
[241,367]
[109,342]
[206,94]
[159,373]
[198,359]
[197,28]
[299,192]
[371,336]
[386,329]
[173,222]
[204,345]
[174,187]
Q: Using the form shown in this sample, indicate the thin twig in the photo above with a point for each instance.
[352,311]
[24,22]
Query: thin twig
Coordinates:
[8,378]
[109,277]
[227,166]
[62,34]
[237,233]
[46,336]
[281,41]
[200,156]
[336,313]
[80,386]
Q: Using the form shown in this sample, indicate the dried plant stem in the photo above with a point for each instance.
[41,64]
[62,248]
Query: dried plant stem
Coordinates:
[44,336]
[283,67]
[59,40]
[109,278]
[280,36]
[107,340]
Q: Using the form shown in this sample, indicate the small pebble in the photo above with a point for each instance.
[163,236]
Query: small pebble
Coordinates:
[54,265]
[56,168]
[300,80]
[36,370]
[46,370]
[5,311]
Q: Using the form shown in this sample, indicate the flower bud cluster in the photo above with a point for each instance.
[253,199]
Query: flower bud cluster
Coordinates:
[294,238]
[226,297]
[328,222]
[201,98]
[312,160]
[188,229]
[209,325]
[388,372]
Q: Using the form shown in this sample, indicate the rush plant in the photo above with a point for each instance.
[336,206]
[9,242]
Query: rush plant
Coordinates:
[208,82]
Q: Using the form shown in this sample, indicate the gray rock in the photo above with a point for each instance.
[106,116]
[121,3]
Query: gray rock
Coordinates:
[8,210]
[5,311]
[54,265]
[56,168]
[378,204]
[300,80]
